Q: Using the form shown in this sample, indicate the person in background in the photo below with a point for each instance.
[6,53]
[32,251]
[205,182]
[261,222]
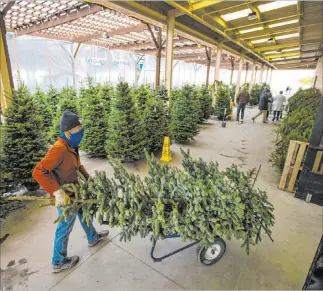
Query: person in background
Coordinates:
[61,166]
[242,100]
[270,104]
[263,105]
[278,104]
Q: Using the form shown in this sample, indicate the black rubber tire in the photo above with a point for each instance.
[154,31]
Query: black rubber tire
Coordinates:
[201,250]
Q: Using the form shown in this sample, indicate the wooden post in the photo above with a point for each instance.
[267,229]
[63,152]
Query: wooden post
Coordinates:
[218,63]
[158,58]
[5,67]
[239,75]
[261,74]
[14,44]
[232,60]
[253,75]
[247,69]
[169,52]
[208,52]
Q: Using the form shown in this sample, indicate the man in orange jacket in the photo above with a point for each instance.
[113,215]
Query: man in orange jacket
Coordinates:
[60,166]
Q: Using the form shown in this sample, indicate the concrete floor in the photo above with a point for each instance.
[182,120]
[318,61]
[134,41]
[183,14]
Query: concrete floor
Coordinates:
[26,254]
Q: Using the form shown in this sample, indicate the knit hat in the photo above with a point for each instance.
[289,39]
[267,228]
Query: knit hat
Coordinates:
[69,120]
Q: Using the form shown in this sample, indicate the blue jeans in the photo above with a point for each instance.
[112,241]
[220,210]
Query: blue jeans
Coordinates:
[62,233]
[241,107]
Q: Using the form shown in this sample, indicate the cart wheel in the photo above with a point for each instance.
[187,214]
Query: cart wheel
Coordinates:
[210,255]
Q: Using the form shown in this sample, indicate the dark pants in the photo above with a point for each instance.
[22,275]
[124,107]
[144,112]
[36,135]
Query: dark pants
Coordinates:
[277,114]
[241,107]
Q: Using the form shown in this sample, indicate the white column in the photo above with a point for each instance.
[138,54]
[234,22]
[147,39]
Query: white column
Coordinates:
[261,74]
[271,73]
[218,63]
[169,52]
[239,75]
[253,75]
[267,72]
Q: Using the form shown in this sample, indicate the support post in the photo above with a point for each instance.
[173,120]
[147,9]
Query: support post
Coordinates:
[232,60]
[14,44]
[253,75]
[267,71]
[209,58]
[169,52]
[261,74]
[158,58]
[239,75]
[271,73]
[5,67]
[247,69]
[218,63]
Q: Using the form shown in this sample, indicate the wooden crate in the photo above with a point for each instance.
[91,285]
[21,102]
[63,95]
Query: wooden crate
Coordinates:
[293,164]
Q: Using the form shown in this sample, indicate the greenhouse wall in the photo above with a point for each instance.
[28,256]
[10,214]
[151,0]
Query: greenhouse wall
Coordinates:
[41,62]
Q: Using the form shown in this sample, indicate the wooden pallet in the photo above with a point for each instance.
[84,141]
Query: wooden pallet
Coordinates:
[293,164]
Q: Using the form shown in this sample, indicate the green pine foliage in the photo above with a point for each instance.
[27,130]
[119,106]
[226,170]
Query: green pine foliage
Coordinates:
[255,94]
[95,122]
[222,101]
[162,92]
[141,96]
[185,113]
[126,135]
[43,109]
[106,93]
[233,91]
[199,202]
[156,124]
[24,142]
[205,99]
[52,97]
[67,101]
[298,123]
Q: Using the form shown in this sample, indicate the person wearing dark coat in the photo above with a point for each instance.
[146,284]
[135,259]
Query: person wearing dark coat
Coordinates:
[263,105]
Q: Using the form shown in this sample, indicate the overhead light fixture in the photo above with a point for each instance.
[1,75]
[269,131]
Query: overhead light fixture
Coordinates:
[283,23]
[291,49]
[251,29]
[293,57]
[275,5]
[237,14]
[252,16]
[259,40]
[279,59]
[271,52]
[287,36]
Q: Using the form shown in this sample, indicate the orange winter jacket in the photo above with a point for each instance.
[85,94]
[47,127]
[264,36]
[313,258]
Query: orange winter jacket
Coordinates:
[58,167]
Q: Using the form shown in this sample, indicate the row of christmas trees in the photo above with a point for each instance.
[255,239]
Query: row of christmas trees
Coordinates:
[119,121]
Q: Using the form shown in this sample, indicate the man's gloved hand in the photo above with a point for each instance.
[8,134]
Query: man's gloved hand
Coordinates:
[61,198]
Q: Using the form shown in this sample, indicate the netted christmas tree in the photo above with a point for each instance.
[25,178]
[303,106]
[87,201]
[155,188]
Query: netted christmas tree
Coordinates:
[222,104]
[24,142]
[43,110]
[298,123]
[255,94]
[106,93]
[67,101]
[52,97]
[126,134]
[162,92]
[185,114]
[156,123]
[205,99]
[199,202]
[95,122]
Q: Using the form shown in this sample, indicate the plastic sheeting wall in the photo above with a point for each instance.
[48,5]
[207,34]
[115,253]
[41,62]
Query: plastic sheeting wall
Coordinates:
[34,60]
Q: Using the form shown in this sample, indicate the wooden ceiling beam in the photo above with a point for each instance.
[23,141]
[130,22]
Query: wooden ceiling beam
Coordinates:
[60,20]
[138,28]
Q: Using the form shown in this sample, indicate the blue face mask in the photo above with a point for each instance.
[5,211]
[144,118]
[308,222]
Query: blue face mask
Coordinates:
[75,138]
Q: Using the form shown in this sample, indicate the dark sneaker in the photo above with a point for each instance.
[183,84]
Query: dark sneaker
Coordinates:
[253,119]
[241,121]
[101,235]
[69,262]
